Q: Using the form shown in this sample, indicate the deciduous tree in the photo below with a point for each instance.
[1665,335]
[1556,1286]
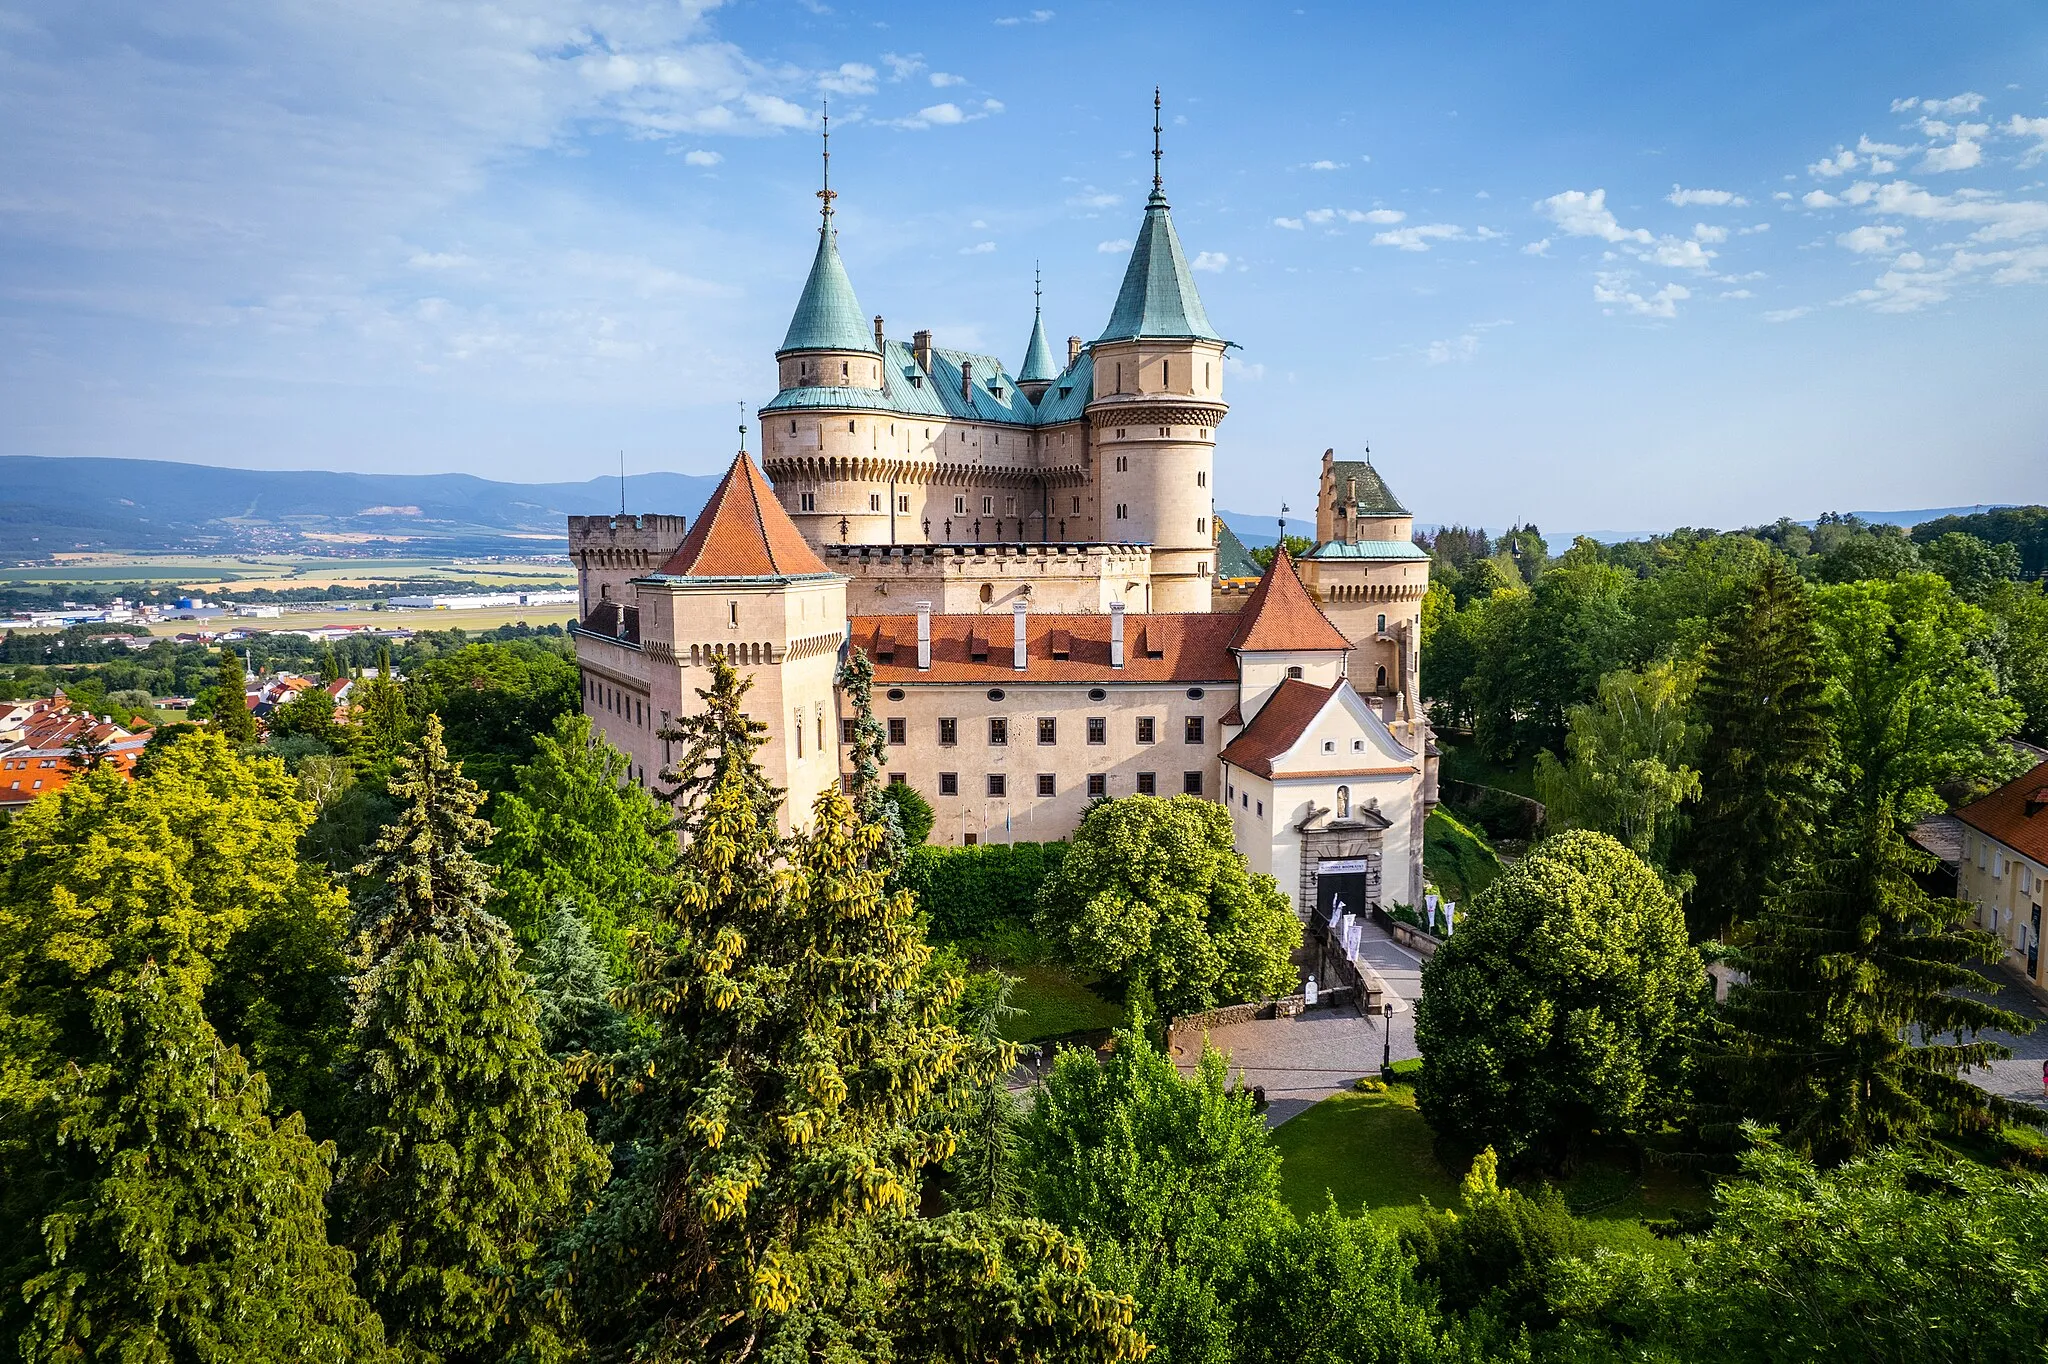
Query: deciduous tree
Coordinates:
[1154,893]
[1629,766]
[1562,1005]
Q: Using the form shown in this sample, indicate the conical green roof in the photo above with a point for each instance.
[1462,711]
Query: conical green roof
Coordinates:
[1158,298]
[1038,361]
[828,316]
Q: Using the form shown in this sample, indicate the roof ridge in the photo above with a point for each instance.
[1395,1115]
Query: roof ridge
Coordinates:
[1280,615]
[751,540]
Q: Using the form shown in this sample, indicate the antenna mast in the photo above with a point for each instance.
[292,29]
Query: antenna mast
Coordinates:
[742,405]
[826,194]
[622,482]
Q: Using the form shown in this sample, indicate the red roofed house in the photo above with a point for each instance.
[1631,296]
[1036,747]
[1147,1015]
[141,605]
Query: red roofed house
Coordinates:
[37,743]
[1033,563]
[2005,868]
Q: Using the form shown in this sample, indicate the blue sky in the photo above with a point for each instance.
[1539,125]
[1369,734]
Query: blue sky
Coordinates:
[1601,266]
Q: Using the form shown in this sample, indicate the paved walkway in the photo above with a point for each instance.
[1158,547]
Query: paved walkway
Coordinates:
[2018,1079]
[1301,1061]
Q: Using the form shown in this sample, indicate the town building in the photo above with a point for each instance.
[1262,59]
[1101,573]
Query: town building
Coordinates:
[41,742]
[1033,563]
[2004,869]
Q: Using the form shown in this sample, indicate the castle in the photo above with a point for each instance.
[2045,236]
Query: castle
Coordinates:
[1033,563]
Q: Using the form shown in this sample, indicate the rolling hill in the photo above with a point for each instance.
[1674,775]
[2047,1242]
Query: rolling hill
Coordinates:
[56,506]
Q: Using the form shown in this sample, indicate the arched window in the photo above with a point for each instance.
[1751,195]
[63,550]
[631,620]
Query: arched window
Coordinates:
[1380,679]
[1343,802]
[1383,622]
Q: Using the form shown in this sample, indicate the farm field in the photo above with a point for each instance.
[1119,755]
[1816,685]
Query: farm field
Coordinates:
[279,571]
[482,619]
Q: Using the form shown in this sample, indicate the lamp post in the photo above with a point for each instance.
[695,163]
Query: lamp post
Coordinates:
[1387,1042]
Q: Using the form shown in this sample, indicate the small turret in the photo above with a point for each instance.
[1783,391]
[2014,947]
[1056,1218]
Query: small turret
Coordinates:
[1038,371]
[828,344]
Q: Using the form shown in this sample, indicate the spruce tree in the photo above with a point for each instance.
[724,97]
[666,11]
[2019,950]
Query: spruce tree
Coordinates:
[799,1040]
[573,982]
[979,1105]
[429,881]
[188,1224]
[231,714]
[870,741]
[1764,762]
[1849,1033]
[465,1155]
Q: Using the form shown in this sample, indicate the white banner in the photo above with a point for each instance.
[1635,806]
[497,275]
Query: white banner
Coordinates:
[1338,866]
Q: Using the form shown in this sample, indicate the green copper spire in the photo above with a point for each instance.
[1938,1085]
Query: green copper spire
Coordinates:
[1038,362]
[1158,297]
[828,316]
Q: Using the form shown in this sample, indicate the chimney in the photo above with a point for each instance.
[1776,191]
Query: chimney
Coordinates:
[1018,657]
[921,350]
[966,381]
[924,636]
[1116,634]
[878,333]
[1073,350]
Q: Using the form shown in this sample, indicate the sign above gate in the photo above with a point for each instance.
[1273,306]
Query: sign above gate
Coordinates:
[1338,866]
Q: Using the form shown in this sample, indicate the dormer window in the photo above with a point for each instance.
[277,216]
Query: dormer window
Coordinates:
[995,390]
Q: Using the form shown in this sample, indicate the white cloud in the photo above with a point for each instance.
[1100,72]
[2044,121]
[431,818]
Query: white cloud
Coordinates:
[1871,239]
[1461,348]
[1209,260]
[945,115]
[1291,224]
[701,157]
[1091,197]
[1617,291]
[1709,198]
[1788,314]
[1736,293]
[1583,213]
[1752,229]
[1325,165]
[1537,248]
[1382,216]
[1913,282]
[1968,102]
[1706,232]
[852,78]
[439,260]
[1320,216]
[2036,128]
[942,79]
[902,68]
[1677,253]
[1964,153]
[978,249]
[1998,219]
[1037,16]
[1419,237]
[1107,248]
[1841,163]
[1820,198]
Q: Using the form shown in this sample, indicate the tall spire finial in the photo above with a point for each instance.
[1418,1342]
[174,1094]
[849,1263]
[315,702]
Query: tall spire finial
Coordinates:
[1037,290]
[742,405]
[1155,140]
[826,193]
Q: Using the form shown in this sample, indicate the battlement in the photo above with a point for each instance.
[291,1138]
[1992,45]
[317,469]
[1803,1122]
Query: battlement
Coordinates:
[610,551]
[1075,578]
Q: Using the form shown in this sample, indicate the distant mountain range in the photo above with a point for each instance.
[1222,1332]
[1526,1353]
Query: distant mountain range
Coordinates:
[1260,531]
[59,506]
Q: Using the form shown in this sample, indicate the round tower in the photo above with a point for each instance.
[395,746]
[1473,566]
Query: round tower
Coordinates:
[1158,399]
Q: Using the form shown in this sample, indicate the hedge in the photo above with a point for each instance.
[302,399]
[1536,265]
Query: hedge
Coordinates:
[978,893]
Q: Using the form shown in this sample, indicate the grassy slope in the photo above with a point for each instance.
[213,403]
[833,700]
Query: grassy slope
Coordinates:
[1375,1151]
[1054,1005]
[1457,857]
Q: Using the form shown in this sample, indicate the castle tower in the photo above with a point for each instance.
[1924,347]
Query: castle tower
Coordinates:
[1371,577]
[1038,371]
[744,586]
[1158,398]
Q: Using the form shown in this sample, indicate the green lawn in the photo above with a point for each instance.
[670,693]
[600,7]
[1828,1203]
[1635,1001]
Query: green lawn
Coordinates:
[1054,1005]
[1457,856]
[1374,1151]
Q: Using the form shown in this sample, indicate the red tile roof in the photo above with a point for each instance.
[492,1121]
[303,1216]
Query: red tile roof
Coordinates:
[1278,726]
[2016,814]
[1280,615]
[1192,648]
[743,532]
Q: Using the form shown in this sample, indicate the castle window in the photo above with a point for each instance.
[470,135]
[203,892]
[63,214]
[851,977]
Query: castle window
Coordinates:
[1383,623]
[903,502]
[1077,506]
[1009,506]
[1329,745]
[1048,729]
[849,428]
[998,731]
[1380,679]
[1294,673]
[1164,431]
[1193,728]
[949,731]
[1119,383]
[896,727]
[874,501]
[1201,525]
[1147,729]
[846,731]
[817,713]
[843,371]
[988,506]
[1166,373]
[998,784]
[1205,374]
[799,731]
[1045,784]
[1148,783]
[1098,786]
[949,783]
[807,502]
[960,506]
[1358,745]
[1119,433]
[732,615]
[1201,478]
[792,427]
[1191,783]
[1098,729]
